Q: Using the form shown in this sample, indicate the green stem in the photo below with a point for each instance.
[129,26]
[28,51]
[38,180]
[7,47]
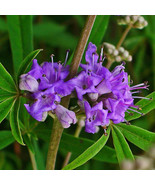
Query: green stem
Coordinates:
[68,156]
[57,128]
[33,161]
[79,53]
[81,45]
[120,43]
[124,36]
[54,144]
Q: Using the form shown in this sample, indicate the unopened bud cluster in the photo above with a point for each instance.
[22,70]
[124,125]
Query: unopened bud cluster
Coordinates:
[115,54]
[144,162]
[136,21]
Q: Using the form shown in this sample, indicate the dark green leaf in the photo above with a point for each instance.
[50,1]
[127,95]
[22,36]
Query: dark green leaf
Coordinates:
[14,122]
[138,136]
[20,33]
[89,153]
[79,145]
[38,156]
[6,139]
[99,28]
[26,62]
[5,95]
[6,81]
[54,34]
[146,105]
[26,34]
[28,142]
[5,107]
[121,146]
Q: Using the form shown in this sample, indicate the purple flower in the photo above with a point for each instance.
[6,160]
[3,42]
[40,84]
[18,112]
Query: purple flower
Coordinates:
[84,83]
[43,102]
[112,89]
[65,116]
[91,55]
[95,116]
[45,85]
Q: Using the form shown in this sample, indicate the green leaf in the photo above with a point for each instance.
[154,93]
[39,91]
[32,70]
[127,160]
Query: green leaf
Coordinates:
[121,146]
[89,153]
[99,28]
[26,34]
[6,81]
[5,107]
[146,105]
[6,139]
[54,35]
[138,136]
[5,95]
[38,156]
[79,145]
[14,122]
[28,142]
[26,62]
[21,38]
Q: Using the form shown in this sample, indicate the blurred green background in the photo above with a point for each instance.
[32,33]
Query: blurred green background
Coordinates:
[56,34]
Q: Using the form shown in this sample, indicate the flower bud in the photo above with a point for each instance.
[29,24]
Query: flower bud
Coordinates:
[28,83]
[65,116]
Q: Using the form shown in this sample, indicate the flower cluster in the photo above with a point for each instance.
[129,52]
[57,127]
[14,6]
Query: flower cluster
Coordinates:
[114,54]
[45,86]
[136,21]
[101,94]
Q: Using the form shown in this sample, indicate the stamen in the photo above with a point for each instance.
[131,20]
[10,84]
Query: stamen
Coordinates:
[131,82]
[67,53]
[139,97]
[94,117]
[43,96]
[56,102]
[105,132]
[52,60]
[43,75]
[101,54]
[123,63]
[38,80]
[127,122]
[59,70]
[134,92]
[136,111]
[130,113]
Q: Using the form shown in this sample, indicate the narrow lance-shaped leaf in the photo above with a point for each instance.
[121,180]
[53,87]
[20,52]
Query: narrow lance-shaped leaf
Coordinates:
[15,39]
[121,146]
[77,145]
[99,28]
[138,136]
[6,138]
[14,122]
[5,107]
[28,142]
[21,37]
[89,153]
[26,62]
[5,95]
[145,105]
[6,81]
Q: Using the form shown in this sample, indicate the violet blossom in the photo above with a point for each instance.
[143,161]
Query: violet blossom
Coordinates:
[46,86]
